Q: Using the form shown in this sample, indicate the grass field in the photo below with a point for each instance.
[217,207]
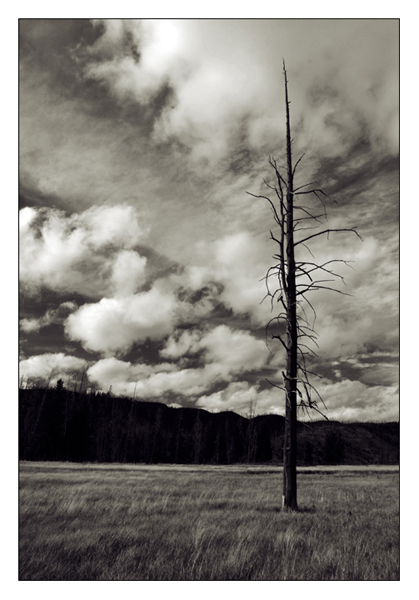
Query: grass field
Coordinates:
[133,522]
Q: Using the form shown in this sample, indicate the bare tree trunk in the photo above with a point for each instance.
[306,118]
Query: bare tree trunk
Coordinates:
[289,498]
[294,282]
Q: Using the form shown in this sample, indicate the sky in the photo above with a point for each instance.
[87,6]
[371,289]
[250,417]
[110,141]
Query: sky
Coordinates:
[142,256]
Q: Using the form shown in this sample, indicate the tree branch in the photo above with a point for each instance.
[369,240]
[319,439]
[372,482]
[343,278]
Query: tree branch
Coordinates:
[327,231]
[296,164]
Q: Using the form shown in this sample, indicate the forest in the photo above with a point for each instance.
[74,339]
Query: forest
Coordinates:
[57,424]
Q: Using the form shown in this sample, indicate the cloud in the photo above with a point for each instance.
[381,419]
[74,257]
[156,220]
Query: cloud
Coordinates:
[235,261]
[372,368]
[184,382]
[238,396]
[53,315]
[128,272]
[237,351]
[245,399]
[82,253]
[123,376]
[227,353]
[180,344]
[343,329]
[218,73]
[180,117]
[234,351]
[134,57]
[210,88]
[348,400]
[152,381]
[115,324]
[216,96]
[90,253]
[46,367]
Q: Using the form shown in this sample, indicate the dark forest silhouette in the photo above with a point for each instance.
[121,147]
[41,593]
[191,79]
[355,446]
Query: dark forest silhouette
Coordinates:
[62,425]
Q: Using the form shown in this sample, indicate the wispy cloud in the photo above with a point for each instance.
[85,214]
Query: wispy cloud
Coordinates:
[218,72]
[53,315]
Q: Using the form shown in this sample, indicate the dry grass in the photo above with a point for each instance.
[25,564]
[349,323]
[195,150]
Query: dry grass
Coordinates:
[134,523]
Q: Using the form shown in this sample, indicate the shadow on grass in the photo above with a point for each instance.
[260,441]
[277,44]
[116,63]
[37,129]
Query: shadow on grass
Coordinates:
[307,509]
[278,509]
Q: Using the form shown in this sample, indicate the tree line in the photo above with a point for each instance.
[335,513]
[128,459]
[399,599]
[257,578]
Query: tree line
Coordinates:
[63,425]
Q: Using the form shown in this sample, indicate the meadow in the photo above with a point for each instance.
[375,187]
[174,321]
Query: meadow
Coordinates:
[138,522]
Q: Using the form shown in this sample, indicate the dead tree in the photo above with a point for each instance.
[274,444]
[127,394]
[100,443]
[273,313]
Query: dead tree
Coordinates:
[294,280]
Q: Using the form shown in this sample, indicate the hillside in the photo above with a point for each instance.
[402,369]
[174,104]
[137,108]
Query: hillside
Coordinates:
[63,425]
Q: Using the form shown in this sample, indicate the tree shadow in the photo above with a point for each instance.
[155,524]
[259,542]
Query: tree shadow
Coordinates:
[278,509]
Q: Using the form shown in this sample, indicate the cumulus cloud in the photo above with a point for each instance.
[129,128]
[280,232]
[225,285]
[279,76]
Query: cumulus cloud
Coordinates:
[128,272]
[228,353]
[123,376]
[51,367]
[81,253]
[153,381]
[230,277]
[115,324]
[184,382]
[89,253]
[236,262]
[233,350]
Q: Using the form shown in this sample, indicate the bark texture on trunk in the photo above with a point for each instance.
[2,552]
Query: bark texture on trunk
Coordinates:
[293,282]
[289,498]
